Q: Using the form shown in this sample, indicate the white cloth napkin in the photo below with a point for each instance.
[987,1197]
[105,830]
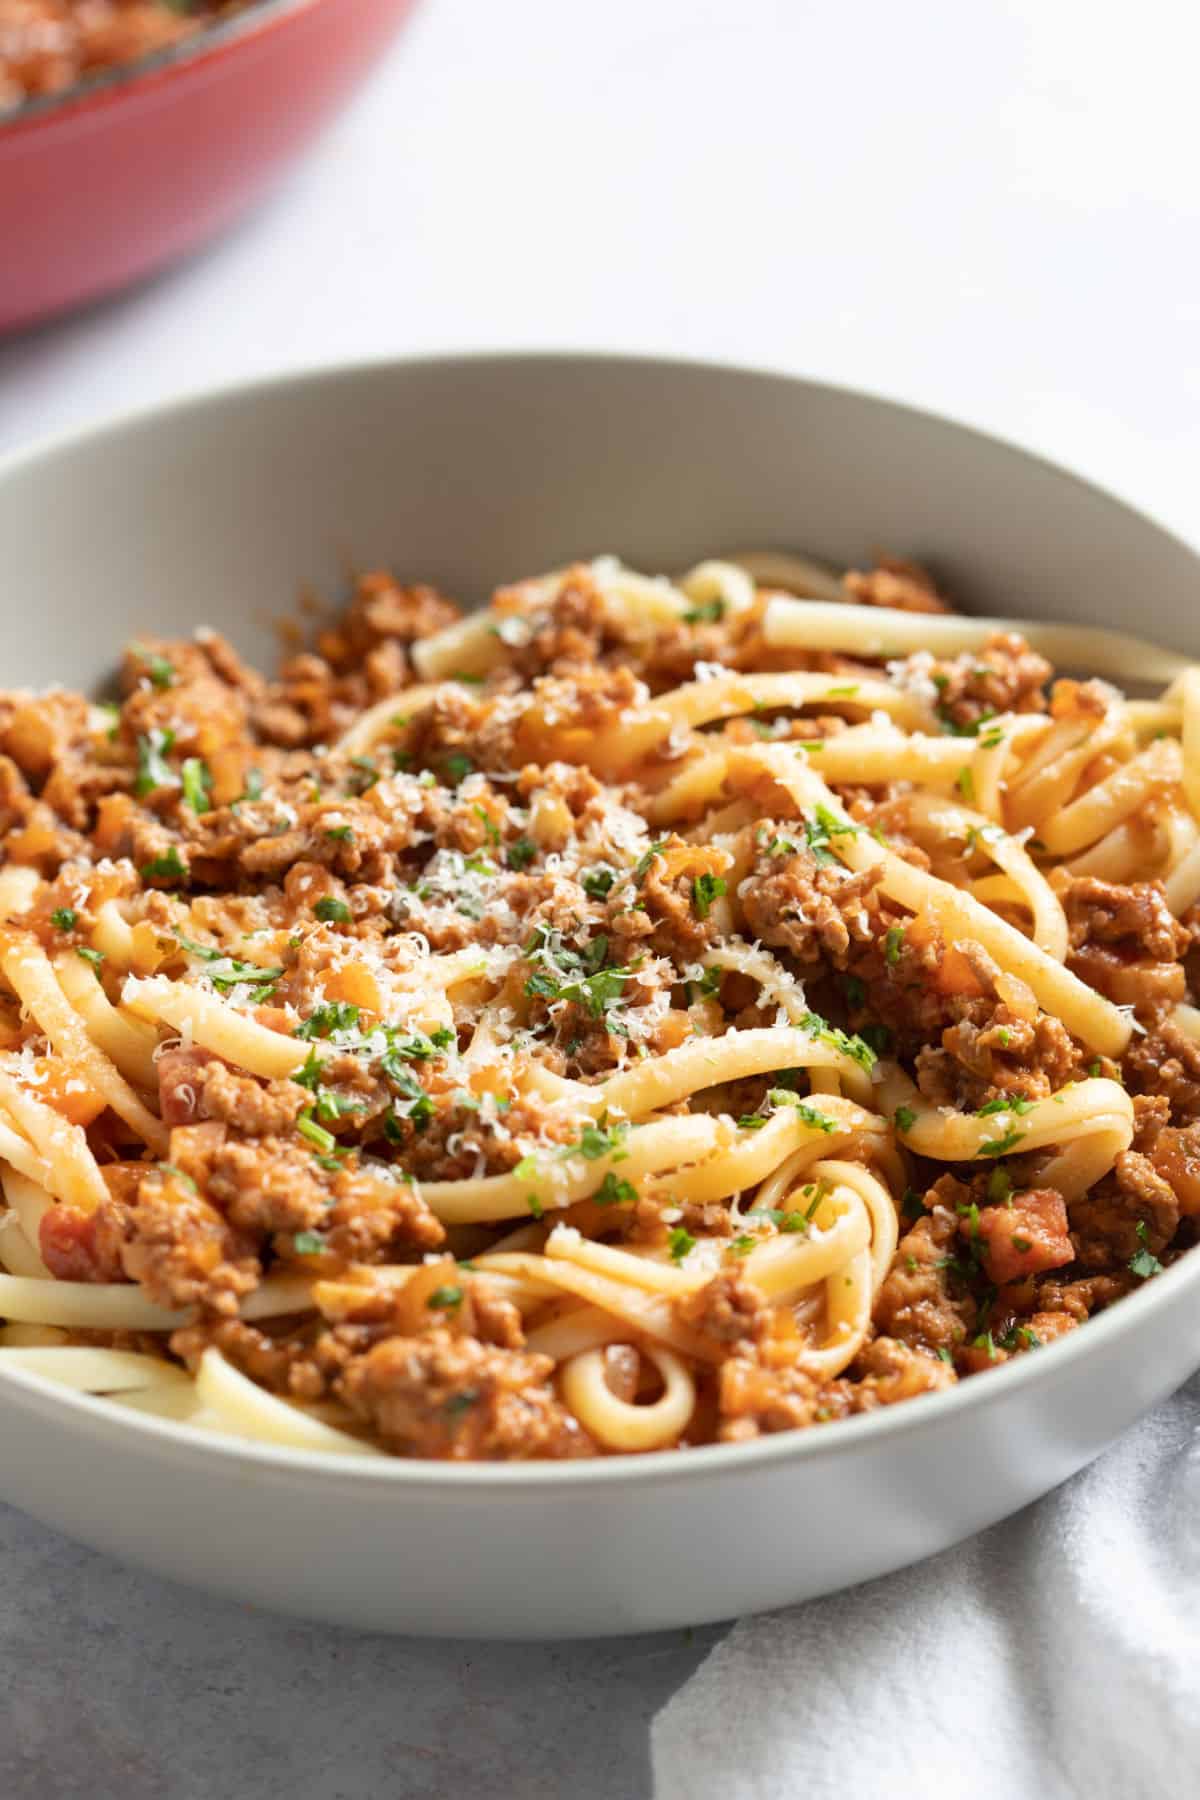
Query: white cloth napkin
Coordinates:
[1056,1655]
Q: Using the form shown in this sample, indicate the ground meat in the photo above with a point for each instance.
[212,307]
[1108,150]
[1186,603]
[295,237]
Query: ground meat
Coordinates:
[1166,1062]
[254,1108]
[887,1371]
[1133,1208]
[753,1401]
[381,610]
[903,585]
[916,1302]
[1125,942]
[1005,676]
[729,1309]
[183,1251]
[668,918]
[997,1051]
[793,903]
[457,1399]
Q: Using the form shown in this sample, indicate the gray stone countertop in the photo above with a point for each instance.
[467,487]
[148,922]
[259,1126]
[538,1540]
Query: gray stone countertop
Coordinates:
[119,1686]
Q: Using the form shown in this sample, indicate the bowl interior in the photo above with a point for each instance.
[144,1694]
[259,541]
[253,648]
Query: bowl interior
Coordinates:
[468,471]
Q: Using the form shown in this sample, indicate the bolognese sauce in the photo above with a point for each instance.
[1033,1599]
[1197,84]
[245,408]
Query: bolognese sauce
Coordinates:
[638,1014]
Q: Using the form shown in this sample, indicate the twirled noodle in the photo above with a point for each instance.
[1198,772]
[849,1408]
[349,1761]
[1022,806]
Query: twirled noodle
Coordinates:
[620,1038]
[619,1424]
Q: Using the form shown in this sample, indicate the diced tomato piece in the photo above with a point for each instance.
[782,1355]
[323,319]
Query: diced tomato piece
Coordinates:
[74,1248]
[1026,1237]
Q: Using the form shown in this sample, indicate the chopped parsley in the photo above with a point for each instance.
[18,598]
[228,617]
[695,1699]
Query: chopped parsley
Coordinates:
[819,832]
[1144,1263]
[743,1245]
[842,693]
[340,833]
[460,1403]
[197,784]
[679,1243]
[600,1140]
[536,1209]
[365,774]
[1003,1145]
[581,976]
[642,867]
[964,781]
[999,1187]
[615,1192]
[892,944]
[95,957]
[330,1016]
[64,917]
[905,1118]
[1093,1068]
[1012,1103]
[912,1206]
[153,771]
[877,1038]
[332,911]
[168,867]
[445,1299]
[706,889]
[809,1114]
[857,1048]
[705,612]
[227,972]
[160,671]
[598,881]
[520,853]
[458,766]
[308,1243]
[316,1134]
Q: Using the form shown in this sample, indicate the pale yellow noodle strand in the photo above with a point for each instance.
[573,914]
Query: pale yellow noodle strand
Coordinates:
[1083,1109]
[650,1315]
[704,1062]
[73,1172]
[249,1411]
[619,1424]
[32,978]
[128,1042]
[17,1254]
[1110,801]
[91,1371]
[18,890]
[1049,921]
[885,631]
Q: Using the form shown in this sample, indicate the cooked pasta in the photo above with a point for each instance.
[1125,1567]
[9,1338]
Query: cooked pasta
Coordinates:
[639,1014]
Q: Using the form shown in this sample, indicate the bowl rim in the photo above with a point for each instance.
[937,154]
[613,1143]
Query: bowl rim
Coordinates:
[211,39]
[100,1418]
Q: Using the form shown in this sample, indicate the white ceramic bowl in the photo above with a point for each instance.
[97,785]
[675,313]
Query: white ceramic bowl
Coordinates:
[466,471]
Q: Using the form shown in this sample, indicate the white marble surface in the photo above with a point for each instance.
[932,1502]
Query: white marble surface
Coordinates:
[990,209]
